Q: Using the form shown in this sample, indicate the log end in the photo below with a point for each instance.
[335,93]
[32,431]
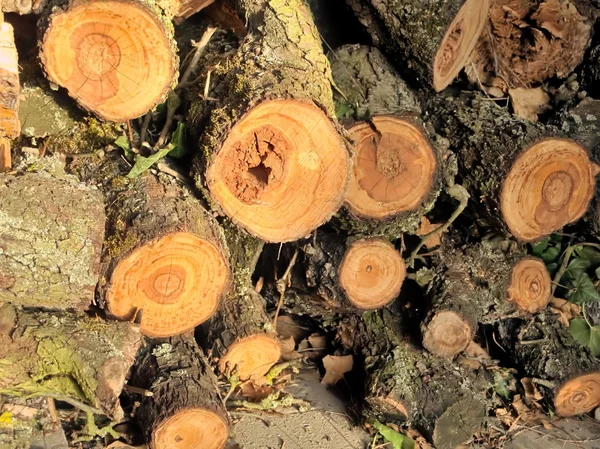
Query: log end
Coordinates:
[447,334]
[281,172]
[394,168]
[371,273]
[251,357]
[578,395]
[115,57]
[176,281]
[459,41]
[549,186]
[191,428]
[530,285]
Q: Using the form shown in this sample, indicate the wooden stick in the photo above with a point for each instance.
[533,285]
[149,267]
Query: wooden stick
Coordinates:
[5,157]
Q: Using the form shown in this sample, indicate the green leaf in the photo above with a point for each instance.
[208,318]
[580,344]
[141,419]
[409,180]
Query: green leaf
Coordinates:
[597,273]
[424,276]
[595,341]
[551,254]
[502,384]
[144,163]
[398,440]
[552,268]
[576,268]
[123,143]
[556,237]
[179,141]
[538,248]
[584,290]
[588,253]
[580,330]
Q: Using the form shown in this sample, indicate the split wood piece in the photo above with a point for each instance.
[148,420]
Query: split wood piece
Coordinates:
[433,40]
[185,409]
[50,255]
[544,349]
[272,158]
[480,284]
[538,179]
[67,356]
[530,41]
[405,384]
[9,83]
[241,335]
[164,260]
[363,273]
[117,58]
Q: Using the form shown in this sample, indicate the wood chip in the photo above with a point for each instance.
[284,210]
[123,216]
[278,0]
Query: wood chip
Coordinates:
[528,103]
[427,227]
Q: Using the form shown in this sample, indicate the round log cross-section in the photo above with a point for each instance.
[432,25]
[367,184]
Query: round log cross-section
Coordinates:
[281,172]
[530,285]
[115,57]
[549,185]
[578,395]
[394,168]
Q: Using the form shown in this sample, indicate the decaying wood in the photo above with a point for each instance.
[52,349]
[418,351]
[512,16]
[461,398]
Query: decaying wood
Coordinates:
[277,85]
[65,355]
[435,39]
[185,407]
[51,240]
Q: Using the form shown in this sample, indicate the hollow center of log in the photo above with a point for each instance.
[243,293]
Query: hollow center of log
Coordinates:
[256,163]
[191,429]
[578,395]
[557,190]
[98,55]
[389,151]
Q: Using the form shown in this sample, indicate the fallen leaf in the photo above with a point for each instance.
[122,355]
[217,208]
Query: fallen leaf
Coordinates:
[525,413]
[290,326]
[419,439]
[288,349]
[255,392]
[336,367]
[528,103]
[565,310]
[426,227]
[531,391]
[319,344]
[475,350]
[468,363]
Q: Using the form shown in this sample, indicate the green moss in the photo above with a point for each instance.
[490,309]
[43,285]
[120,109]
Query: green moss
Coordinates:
[85,137]
[118,244]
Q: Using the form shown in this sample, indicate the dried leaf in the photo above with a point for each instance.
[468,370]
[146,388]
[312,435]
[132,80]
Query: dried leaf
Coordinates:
[531,390]
[427,227]
[288,349]
[318,345]
[289,326]
[525,413]
[475,350]
[419,439]
[528,103]
[255,392]
[336,367]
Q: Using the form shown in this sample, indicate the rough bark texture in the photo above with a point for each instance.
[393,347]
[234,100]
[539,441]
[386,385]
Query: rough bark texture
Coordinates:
[50,240]
[24,6]
[590,72]
[65,355]
[406,384]
[180,378]
[9,83]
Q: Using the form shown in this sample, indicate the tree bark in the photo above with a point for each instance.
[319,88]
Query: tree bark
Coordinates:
[544,349]
[185,406]
[405,384]
[120,73]
[24,6]
[433,39]
[528,178]
[590,72]
[275,187]
[65,355]
[395,178]
[49,249]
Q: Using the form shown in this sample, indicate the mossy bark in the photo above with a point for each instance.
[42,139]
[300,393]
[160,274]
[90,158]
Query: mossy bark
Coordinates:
[179,377]
[65,355]
[405,384]
[51,240]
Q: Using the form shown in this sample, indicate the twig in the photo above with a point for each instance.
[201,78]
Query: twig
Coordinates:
[200,46]
[138,390]
[173,103]
[457,192]
[130,134]
[544,383]
[282,284]
[145,126]
[45,147]
[532,342]
[52,410]
[75,403]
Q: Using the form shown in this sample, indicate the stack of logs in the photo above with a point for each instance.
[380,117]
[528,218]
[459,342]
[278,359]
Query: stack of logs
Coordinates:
[100,272]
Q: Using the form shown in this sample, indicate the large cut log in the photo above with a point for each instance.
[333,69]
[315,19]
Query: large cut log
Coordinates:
[433,40]
[51,231]
[185,409]
[527,179]
[479,283]
[529,41]
[66,356]
[405,384]
[544,349]
[271,157]
[395,174]
[117,58]
[165,261]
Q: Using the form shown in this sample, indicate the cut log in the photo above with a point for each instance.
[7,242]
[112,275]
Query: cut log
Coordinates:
[164,257]
[272,158]
[394,179]
[479,283]
[117,58]
[361,273]
[51,232]
[65,356]
[9,83]
[539,180]
[405,384]
[567,370]
[529,41]
[433,40]
[185,409]
[241,335]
